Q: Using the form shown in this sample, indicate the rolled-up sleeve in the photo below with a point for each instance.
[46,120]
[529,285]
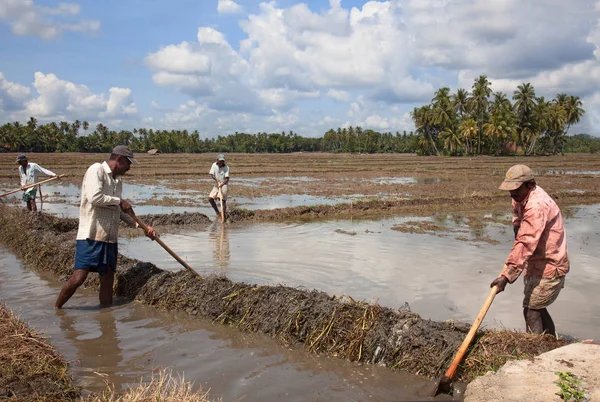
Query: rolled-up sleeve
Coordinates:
[531,228]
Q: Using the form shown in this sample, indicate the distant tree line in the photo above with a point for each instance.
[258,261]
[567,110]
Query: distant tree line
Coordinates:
[482,122]
[463,123]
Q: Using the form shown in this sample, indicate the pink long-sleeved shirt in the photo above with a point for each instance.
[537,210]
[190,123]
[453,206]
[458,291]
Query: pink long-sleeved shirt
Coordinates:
[540,247]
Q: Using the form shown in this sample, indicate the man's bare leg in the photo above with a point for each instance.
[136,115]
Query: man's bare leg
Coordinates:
[214,205]
[547,322]
[69,288]
[106,287]
[533,321]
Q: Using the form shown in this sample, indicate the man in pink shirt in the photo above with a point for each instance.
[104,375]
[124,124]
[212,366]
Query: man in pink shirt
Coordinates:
[540,249]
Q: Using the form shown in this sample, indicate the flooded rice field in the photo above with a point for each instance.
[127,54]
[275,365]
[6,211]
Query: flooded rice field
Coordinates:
[128,341]
[442,267]
[438,250]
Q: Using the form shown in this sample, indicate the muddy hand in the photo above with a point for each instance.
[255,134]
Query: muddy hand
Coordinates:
[500,283]
[150,232]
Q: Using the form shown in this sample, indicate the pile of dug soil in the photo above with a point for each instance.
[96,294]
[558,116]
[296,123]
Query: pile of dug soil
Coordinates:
[337,326]
[30,368]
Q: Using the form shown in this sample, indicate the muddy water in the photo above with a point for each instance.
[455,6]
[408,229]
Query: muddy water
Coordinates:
[443,275]
[62,198]
[129,340]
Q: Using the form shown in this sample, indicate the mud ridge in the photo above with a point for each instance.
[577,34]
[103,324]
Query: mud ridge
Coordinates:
[336,326]
[424,206]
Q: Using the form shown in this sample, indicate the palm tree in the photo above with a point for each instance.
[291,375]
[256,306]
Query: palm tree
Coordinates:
[423,120]
[443,114]
[499,129]
[557,119]
[460,101]
[539,118]
[574,109]
[479,104]
[524,98]
[468,129]
[452,141]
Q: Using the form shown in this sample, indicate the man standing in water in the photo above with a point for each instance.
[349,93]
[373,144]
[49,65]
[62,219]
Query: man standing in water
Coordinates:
[219,171]
[29,175]
[540,248]
[100,211]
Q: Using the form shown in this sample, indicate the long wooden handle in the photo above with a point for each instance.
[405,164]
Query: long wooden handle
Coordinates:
[32,185]
[221,201]
[159,241]
[465,345]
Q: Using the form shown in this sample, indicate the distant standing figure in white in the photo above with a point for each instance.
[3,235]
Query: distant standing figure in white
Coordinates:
[28,171]
[219,171]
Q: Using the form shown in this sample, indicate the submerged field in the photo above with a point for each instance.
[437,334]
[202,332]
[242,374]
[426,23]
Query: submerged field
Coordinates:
[408,184]
[367,232]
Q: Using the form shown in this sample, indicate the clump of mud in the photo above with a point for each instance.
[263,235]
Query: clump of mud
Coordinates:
[337,326]
[192,218]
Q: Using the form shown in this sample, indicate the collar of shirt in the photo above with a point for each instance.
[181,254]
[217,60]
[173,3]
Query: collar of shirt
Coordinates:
[109,172]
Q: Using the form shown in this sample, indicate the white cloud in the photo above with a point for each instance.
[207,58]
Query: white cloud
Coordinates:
[60,99]
[341,96]
[27,18]
[228,7]
[12,95]
[179,59]
[209,67]
[120,103]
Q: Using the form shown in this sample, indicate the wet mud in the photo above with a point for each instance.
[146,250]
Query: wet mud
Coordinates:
[30,368]
[325,324]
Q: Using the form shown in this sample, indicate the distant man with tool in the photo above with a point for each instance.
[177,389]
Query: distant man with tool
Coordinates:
[28,171]
[219,171]
[100,210]
[539,249]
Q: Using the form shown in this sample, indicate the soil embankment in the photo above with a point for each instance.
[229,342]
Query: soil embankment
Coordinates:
[326,324]
[30,368]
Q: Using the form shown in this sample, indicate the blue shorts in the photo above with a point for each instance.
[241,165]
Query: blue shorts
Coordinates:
[97,256]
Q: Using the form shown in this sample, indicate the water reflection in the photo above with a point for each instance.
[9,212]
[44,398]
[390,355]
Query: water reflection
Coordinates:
[97,343]
[130,340]
[217,234]
[442,268]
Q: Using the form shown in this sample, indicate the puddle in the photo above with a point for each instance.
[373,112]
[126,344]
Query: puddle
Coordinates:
[394,180]
[62,199]
[440,276]
[566,172]
[129,340]
[285,201]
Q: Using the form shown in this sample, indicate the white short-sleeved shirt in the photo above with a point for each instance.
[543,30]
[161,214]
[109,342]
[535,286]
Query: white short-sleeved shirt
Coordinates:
[220,173]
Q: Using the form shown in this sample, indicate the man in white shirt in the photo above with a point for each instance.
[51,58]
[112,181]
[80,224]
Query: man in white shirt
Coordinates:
[100,211]
[219,171]
[29,175]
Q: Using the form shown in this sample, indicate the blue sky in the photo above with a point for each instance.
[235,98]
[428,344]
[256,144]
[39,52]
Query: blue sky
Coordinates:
[221,66]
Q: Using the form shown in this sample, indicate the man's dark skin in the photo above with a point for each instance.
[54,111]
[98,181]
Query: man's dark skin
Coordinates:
[220,164]
[119,165]
[536,321]
[31,206]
